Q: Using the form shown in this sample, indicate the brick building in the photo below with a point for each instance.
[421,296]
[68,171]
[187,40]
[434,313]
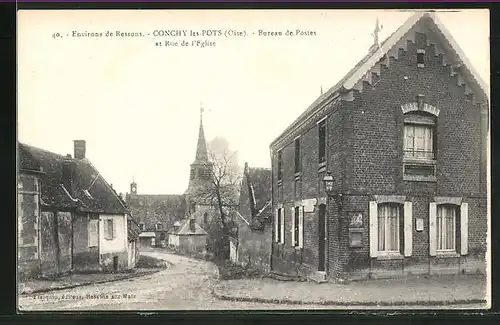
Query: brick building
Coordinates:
[404,135]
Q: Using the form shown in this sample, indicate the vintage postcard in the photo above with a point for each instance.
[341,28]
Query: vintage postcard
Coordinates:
[253,159]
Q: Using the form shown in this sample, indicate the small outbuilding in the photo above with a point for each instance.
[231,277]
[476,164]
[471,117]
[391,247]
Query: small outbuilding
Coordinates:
[188,237]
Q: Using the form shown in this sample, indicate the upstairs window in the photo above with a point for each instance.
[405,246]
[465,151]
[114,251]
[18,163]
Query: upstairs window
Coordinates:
[298,166]
[142,226]
[419,141]
[322,142]
[280,165]
[158,226]
[420,58]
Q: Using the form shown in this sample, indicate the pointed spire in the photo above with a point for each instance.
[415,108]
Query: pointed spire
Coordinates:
[201,148]
[375,34]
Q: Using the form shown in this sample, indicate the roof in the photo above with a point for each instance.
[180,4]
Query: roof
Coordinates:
[91,192]
[185,230]
[154,208]
[147,234]
[258,181]
[376,54]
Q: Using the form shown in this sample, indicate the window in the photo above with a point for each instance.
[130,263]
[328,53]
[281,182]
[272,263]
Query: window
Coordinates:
[191,174]
[192,225]
[446,228]
[388,228]
[142,226]
[280,165]
[420,58]
[158,226]
[322,142]
[109,232]
[279,226]
[296,226]
[419,141]
[278,232]
[297,156]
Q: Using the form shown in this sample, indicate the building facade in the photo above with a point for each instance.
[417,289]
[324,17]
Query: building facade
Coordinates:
[404,135]
[69,217]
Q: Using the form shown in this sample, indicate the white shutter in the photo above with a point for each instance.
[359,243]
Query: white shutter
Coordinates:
[301,227]
[114,228]
[276,225]
[464,229]
[373,229]
[408,229]
[283,225]
[432,229]
[105,228]
[292,228]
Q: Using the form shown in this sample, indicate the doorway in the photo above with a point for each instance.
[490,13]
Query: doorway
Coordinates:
[321,237]
[115,263]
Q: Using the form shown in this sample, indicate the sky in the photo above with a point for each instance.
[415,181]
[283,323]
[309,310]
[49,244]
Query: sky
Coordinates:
[137,105]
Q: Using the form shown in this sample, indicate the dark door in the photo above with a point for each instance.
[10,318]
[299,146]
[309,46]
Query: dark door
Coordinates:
[322,237]
[115,263]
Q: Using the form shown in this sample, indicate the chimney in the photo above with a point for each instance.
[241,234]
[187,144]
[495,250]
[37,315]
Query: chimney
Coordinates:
[68,175]
[79,149]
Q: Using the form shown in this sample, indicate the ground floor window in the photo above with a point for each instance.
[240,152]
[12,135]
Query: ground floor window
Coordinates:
[446,228]
[388,228]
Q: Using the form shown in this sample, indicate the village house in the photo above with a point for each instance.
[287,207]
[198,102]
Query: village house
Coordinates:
[384,175]
[188,237]
[252,245]
[69,217]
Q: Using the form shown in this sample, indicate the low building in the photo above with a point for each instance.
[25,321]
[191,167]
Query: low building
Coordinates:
[188,238]
[252,245]
[147,239]
[69,217]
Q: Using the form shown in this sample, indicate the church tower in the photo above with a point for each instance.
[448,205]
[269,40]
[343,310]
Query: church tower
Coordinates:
[200,171]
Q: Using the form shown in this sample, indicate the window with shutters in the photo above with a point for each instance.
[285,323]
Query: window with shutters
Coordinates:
[109,231]
[389,216]
[446,228]
[419,146]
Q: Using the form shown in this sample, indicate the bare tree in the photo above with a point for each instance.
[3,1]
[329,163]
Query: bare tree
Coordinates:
[223,189]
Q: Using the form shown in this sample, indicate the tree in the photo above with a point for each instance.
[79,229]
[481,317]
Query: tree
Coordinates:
[223,189]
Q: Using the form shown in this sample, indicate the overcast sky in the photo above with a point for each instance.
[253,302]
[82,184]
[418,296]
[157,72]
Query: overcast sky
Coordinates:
[137,105]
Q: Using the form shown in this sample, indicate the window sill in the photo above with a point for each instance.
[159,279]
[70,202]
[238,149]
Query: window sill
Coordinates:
[390,256]
[414,178]
[447,254]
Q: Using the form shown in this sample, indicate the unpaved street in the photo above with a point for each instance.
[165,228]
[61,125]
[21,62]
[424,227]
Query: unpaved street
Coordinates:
[184,286]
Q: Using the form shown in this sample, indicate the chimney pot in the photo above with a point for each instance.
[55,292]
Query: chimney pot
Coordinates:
[79,149]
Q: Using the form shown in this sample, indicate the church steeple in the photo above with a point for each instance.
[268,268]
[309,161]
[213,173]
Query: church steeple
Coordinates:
[201,149]
[201,167]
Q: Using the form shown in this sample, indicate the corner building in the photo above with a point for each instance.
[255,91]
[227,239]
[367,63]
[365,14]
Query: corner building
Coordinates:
[404,135]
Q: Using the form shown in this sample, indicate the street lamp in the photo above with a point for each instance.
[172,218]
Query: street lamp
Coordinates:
[328,180]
